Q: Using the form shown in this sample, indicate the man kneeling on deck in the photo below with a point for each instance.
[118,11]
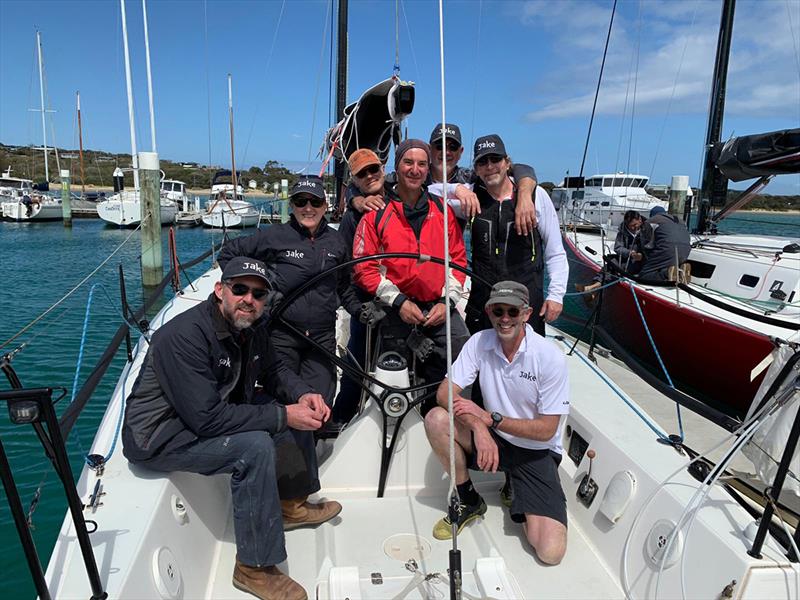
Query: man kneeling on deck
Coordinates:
[525,391]
[194,408]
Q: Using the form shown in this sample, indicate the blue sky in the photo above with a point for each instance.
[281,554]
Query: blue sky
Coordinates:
[525,70]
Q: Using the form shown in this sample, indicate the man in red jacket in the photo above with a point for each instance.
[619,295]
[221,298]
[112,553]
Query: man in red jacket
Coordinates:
[413,222]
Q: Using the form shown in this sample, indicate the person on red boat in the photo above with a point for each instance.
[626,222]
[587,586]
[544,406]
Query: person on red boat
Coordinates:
[414,291]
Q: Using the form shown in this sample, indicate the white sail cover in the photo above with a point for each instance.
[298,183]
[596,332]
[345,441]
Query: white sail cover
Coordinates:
[766,447]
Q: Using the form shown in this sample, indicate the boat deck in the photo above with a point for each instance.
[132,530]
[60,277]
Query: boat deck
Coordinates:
[377,518]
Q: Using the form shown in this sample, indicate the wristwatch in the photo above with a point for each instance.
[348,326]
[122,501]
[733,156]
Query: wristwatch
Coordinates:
[497,418]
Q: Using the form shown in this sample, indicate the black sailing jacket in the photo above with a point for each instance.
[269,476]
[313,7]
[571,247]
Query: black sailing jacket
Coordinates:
[293,257]
[198,381]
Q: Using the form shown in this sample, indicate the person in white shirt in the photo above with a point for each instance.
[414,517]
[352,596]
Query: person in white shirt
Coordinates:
[526,396]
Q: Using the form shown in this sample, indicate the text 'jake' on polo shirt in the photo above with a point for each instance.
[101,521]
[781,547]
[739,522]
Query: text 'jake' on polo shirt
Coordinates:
[534,383]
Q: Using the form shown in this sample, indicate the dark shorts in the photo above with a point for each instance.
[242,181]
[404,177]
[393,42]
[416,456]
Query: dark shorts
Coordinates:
[534,479]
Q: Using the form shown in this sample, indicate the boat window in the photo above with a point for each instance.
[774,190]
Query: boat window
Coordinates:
[628,182]
[608,181]
[595,182]
[702,270]
[618,181]
[605,203]
[748,281]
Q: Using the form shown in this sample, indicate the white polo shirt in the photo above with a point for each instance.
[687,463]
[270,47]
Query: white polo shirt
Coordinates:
[534,383]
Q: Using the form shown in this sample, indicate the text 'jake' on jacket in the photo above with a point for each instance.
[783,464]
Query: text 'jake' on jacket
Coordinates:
[414,230]
[189,386]
[294,255]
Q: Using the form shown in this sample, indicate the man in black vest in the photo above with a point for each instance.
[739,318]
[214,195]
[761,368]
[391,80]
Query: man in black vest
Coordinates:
[500,253]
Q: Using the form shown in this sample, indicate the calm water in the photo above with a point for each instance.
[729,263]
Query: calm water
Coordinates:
[40,263]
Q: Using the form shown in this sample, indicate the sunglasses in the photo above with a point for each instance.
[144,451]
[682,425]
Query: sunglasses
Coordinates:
[370,170]
[302,201]
[451,146]
[485,160]
[512,312]
[240,289]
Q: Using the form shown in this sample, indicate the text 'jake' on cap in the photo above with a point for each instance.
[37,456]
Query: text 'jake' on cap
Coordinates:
[508,292]
[451,132]
[489,144]
[242,266]
[308,184]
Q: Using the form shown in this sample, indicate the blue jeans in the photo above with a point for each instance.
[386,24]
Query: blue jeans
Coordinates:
[250,459]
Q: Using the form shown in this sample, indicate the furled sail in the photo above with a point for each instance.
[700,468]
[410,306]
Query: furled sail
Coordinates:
[750,156]
[373,121]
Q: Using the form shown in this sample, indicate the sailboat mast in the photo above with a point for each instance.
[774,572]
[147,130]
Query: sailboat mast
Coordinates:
[714,185]
[149,79]
[233,153]
[129,85]
[341,88]
[41,100]
[80,145]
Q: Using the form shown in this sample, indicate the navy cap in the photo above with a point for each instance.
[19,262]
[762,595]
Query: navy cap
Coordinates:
[308,184]
[243,266]
[657,210]
[451,132]
[489,144]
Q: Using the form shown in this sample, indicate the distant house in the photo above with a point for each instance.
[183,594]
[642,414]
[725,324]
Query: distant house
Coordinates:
[252,184]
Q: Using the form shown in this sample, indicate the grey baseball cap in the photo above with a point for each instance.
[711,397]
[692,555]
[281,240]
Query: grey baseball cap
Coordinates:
[242,266]
[508,292]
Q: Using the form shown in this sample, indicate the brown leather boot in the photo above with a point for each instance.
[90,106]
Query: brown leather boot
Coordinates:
[299,513]
[267,583]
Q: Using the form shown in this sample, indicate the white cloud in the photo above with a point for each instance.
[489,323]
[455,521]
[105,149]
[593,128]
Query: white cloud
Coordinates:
[763,73]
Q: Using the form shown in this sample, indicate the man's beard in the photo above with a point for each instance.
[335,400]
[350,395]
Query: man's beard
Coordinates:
[239,322]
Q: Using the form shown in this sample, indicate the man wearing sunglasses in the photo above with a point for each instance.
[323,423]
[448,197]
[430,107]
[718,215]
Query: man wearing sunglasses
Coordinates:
[526,397]
[500,252]
[194,408]
[462,179]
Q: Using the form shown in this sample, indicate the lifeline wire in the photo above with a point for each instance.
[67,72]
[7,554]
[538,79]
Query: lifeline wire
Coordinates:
[72,291]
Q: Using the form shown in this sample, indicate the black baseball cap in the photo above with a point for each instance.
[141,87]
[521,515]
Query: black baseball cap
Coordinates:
[451,132]
[243,266]
[308,184]
[508,292]
[489,144]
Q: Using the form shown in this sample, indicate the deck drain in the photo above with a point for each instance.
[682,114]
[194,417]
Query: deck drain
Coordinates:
[404,546]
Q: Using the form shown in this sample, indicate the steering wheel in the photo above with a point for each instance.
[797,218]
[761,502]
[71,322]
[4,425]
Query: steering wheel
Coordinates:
[393,401]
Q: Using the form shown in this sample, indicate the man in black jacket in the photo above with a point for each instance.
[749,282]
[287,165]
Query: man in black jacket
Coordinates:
[194,408]
[670,245]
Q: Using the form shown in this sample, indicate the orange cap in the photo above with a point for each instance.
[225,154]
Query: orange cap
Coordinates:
[363,157]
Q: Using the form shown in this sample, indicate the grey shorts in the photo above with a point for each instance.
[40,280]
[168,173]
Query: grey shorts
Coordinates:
[534,479]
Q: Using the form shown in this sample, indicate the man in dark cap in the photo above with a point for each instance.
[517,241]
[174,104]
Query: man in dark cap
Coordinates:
[445,142]
[526,397]
[413,222]
[500,252]
[669,246]
[194,408]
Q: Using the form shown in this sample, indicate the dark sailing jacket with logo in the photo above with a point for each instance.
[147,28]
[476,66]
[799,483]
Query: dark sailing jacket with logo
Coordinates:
[500,253]
[293,256]
[198,381]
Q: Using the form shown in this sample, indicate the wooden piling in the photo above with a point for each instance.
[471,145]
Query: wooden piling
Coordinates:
[66,206]
[150,201]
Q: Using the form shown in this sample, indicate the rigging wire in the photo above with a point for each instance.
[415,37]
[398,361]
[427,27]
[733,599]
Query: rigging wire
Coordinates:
[319,77]
[597,91]
[622,121]
[72,291]
[475,82]
[266,71]
[635,84]
[410,41]
[208,82]
[674,87]
[396,68]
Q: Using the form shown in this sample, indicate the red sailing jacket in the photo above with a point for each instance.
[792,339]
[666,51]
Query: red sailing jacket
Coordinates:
[388,230]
